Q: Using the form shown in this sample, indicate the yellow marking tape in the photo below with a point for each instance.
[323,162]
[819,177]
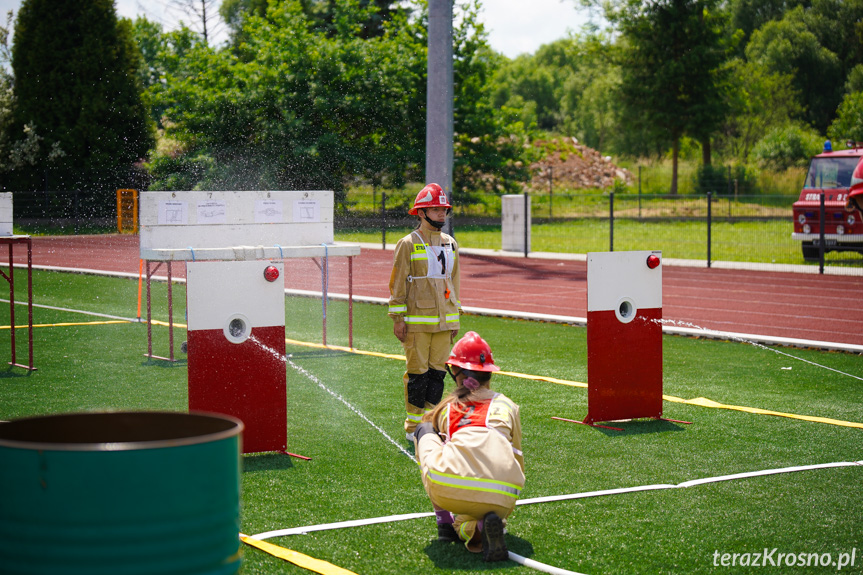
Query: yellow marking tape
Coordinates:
[304,561]
[66,324]
[699,401]
[166,324]
[704,402]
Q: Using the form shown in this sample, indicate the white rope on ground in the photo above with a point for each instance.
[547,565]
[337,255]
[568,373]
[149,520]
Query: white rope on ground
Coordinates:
[588,494]
[540,566]
[756,344]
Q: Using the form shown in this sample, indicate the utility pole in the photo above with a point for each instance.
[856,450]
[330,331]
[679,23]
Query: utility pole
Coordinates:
[439,99]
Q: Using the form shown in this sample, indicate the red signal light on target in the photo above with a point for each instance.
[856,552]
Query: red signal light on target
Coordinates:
[271,274]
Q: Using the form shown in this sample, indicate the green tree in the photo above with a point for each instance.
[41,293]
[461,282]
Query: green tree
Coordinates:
[848,124]
[787,46]
[294,107]
[489,143]
[298,106]
[764,101]
[673,70]
[76,80]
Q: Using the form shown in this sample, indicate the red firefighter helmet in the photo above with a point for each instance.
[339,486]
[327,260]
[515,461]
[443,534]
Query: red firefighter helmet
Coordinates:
[431,196]
[473,353]
[855,192]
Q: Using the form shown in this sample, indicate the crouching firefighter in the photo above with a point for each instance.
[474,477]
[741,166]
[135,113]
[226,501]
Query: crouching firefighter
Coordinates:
[424,303]
[469,451]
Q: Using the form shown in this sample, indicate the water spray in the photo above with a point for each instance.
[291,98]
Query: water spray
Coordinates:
[286,359]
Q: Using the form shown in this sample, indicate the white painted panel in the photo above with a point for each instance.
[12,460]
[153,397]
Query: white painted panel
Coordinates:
[6,214]
[196,219]
[615,276]
[513,223]
[218,291]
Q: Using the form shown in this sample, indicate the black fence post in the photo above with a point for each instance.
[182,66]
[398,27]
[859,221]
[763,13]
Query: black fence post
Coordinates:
[709,225]
[550,190]
[611,221]
[639,191]
[383,220]
[821,226]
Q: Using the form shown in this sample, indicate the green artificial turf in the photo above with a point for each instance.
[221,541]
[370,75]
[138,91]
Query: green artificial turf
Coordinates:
[357,471]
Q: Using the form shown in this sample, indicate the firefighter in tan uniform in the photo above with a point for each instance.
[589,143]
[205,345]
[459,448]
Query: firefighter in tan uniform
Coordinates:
[469,450]
[424,304]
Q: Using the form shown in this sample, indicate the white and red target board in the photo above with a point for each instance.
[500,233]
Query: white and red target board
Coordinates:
[236,341]
[624,335]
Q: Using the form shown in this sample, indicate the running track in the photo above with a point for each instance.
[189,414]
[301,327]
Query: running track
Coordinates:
[774,304]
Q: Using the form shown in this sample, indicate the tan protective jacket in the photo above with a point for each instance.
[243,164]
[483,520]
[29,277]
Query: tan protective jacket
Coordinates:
[481,458]
[425,297]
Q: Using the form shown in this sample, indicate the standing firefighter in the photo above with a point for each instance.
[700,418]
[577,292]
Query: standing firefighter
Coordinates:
[424,304]
[469,450]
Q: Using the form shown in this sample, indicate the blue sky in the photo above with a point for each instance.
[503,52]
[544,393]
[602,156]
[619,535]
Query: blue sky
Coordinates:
[514,26]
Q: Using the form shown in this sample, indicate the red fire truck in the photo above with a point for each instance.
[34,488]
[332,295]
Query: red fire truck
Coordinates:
[829,173]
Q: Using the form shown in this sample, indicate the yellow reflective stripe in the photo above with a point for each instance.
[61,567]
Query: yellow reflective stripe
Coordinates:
[397,309]
[415,416]
[474,484]
[452,317]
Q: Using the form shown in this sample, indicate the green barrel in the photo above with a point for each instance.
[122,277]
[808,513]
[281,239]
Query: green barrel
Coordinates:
[120,493]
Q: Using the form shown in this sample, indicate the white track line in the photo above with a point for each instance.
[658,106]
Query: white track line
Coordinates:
[132,320]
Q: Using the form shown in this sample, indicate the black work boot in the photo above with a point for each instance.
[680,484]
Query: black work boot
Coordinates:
[493,542]
[446,533]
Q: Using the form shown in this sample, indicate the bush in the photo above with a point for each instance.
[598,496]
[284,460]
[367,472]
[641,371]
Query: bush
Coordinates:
[786,147]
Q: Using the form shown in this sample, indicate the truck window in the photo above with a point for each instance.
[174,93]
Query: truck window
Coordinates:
[831,172]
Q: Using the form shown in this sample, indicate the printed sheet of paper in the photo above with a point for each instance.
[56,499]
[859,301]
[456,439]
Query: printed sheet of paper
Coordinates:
[212,212]
[268,212]
[173,213]
[307,211]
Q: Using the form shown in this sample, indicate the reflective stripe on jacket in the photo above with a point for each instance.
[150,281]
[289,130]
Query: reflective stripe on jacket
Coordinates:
[424,302]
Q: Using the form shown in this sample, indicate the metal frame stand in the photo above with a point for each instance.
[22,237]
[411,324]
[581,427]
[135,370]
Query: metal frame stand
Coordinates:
[149,353]
[11,241]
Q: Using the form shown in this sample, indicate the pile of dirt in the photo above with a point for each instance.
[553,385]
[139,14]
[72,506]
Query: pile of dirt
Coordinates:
[573,165]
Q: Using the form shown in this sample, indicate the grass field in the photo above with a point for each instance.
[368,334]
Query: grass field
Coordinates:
[357,472]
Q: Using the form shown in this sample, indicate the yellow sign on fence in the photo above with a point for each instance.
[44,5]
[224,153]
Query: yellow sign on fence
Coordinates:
[127,211]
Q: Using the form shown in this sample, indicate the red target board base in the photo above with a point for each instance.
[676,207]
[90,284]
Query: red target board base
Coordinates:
[624,336]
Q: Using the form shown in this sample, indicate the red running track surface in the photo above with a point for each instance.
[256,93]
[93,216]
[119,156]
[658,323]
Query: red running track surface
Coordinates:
[777,304]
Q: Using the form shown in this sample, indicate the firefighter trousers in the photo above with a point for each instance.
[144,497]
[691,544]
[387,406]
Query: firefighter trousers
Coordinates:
[426,354]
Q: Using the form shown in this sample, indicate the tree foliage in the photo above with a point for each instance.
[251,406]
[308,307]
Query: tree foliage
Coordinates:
[76,83]
[301,106]
[673,82]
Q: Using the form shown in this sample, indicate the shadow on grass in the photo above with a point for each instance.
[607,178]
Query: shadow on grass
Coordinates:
[14,372]
[455,557]
[163,363]
[253,462]
[640,427]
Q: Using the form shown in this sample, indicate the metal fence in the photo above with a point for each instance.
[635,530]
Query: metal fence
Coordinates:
[710,229]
